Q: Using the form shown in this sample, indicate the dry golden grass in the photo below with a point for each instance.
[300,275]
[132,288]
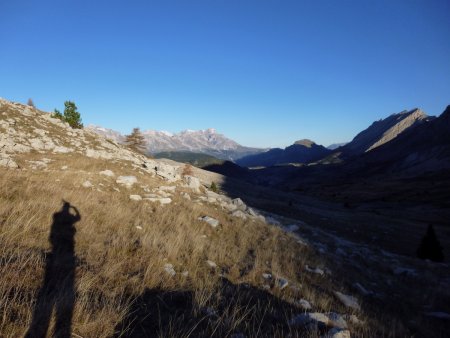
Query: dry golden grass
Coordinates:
[121,248]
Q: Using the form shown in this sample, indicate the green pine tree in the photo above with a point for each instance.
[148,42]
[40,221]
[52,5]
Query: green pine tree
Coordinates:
[71,115]
[57,115]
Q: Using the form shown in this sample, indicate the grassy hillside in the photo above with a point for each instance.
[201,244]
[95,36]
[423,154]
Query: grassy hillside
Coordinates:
[83,253]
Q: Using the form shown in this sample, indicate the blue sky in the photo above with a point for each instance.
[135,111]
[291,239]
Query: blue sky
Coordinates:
[264,73]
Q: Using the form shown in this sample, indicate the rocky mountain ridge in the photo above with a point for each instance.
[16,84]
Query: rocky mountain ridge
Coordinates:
[207,141]
[301,152]
[383,131]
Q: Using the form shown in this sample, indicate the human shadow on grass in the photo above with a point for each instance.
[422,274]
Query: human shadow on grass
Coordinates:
[58,289]
[238,310]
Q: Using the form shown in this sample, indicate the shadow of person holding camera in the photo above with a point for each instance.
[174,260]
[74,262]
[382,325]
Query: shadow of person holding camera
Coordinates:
[58,290]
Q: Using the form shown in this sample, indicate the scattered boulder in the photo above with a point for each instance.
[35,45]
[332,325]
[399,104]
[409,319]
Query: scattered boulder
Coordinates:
[169,269]
[211,221]
[170,188]
[62,150]
[267,276]
[211,264]
[192,183]
[7,161]
[127,181]
[162,200]
[87,184]
[135,198]
[304,304]
[166,171]
[347,300]
[239,213]
[107,172]
[314,270]
[282,283]
[239,203]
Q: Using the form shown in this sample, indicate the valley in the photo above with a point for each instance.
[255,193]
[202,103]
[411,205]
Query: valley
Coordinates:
[159,252]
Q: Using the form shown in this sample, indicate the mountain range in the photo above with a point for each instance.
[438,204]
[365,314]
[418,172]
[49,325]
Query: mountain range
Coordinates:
[207,141]
[194,143]
[302,151]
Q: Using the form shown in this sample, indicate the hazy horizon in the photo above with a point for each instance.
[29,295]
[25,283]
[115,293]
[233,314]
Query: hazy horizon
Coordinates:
[264,74]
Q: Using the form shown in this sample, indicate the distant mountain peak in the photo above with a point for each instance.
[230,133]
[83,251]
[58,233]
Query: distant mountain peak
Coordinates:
[206,141]
[305,142]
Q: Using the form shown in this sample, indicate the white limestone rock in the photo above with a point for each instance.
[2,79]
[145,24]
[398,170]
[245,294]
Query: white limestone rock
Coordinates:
[166,188]
[107,172]
[7,161]
[304,304]
[211,221]
[161,200]
[87,184]
[347,300]
[169,269]
[239,214]
[211,264]
[314,270]
[193,183]
[127,181]
[135,198]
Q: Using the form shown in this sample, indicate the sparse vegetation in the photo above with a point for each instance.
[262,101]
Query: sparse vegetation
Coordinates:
[213,187]
[187,170]
[136,141]
[57,115]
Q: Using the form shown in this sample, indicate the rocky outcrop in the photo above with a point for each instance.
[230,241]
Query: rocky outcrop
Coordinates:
[383,131]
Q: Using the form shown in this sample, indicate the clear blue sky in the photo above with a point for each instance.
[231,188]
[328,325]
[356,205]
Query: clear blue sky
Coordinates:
[264,73]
